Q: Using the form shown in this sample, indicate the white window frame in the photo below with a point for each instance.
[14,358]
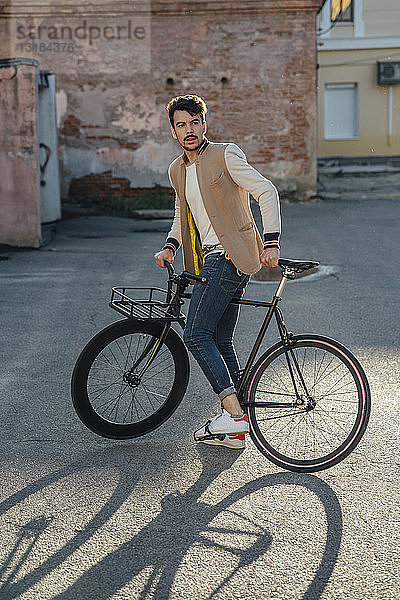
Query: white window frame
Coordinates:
[358,22]
[342,85]
[345,22]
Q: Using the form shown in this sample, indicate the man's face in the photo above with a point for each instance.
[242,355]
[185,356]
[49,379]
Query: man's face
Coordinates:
[188,129]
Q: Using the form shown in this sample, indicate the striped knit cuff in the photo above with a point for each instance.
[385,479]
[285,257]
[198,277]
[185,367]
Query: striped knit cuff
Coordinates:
[271,240]
[171,244]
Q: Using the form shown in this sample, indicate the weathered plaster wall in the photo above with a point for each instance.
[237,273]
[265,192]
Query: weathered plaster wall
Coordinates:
[253,62]
[19,157]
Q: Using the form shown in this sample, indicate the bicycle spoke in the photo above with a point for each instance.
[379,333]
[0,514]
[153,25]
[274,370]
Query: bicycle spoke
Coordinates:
[111,404]
[158,372]
[105,390]
[131,404]
[318,372]
[281,416]
[163,396]
[330,373]
[112,352]
[321,411]
[327,393]
[108,363]
[274,373]
[148,397]
[276,393]
[342,399]
[138,403]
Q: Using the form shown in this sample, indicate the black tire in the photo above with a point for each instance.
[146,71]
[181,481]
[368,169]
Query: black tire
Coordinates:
[298,439]
[110,406]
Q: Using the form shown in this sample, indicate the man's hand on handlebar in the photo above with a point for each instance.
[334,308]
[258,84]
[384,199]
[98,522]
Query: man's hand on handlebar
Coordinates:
[164,255]
[269,257]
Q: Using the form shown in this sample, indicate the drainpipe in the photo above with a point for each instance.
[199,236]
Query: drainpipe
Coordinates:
[390,114]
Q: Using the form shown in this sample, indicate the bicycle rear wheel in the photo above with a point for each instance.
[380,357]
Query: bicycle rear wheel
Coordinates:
[108,392]
[319,429]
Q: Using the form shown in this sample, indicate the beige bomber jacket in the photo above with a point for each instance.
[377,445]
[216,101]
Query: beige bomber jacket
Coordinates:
[225,180]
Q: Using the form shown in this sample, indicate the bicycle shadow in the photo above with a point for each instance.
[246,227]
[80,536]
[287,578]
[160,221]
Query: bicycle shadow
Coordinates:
[24,544]
[162,544]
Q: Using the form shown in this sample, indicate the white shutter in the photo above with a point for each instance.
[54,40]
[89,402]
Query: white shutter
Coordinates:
[341,111]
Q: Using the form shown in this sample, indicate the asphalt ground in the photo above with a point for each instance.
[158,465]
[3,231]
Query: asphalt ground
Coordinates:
[159,517]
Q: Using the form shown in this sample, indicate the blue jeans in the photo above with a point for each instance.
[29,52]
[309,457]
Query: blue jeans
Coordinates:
[211,322]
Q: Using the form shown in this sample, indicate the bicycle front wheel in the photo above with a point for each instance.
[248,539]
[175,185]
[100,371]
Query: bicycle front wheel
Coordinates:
[308,409]
[112,396]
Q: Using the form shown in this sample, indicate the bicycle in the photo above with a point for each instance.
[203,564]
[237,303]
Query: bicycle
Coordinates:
[307,396]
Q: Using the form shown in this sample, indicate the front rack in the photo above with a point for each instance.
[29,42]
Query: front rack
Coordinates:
[145,303]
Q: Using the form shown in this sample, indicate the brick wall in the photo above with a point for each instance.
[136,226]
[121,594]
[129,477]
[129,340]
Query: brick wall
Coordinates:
[254,62]
[19,157]
[257,71]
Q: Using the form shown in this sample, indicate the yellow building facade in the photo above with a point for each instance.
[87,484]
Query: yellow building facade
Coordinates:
[357,115]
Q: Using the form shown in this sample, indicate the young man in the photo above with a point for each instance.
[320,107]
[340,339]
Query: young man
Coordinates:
[219,238]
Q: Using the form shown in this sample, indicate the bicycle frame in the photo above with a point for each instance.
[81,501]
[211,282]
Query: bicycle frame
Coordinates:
[285,335]
[182,282]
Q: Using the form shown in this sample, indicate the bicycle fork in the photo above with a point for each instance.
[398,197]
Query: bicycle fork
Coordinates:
[153,346]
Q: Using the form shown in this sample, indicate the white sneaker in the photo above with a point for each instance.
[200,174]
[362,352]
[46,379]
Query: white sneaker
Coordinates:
[223,424]
[236,441]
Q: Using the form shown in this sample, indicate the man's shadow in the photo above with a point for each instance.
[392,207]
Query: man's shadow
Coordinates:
[163,543]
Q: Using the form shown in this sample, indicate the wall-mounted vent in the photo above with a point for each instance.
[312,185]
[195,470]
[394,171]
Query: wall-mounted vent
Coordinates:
[388,73]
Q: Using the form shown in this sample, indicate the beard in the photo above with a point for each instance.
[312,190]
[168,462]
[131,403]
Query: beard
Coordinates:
[191,148]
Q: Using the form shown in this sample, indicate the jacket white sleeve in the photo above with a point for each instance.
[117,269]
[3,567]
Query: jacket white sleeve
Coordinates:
[262,190]
[174,235]
[175,231]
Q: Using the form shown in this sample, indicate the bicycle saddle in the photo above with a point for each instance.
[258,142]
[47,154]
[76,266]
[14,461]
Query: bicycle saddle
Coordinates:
[297,265]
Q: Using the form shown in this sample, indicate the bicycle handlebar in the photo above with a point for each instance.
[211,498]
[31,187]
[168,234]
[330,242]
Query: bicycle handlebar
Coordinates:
[171,273]
[193,276]
[290,268]
[170,269]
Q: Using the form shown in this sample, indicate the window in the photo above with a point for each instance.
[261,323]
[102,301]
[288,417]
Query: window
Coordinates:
[341,111]
[349,19]
[342,11]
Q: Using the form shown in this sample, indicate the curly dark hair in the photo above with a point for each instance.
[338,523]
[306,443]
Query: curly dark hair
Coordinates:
[194,105]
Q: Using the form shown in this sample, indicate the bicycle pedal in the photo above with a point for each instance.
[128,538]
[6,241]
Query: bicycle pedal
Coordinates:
[217,436]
